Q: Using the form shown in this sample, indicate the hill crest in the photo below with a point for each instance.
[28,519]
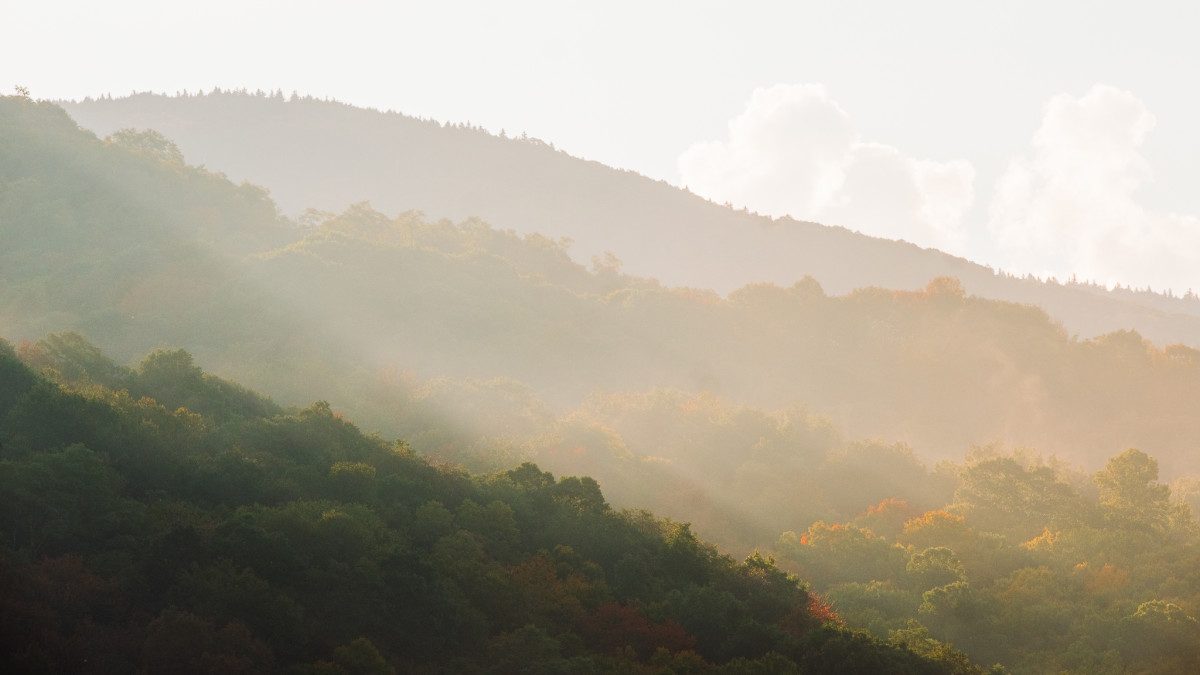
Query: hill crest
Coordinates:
[327,155]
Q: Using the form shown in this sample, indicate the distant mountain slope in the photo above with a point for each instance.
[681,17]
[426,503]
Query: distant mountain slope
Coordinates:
[327,155]
[123,242]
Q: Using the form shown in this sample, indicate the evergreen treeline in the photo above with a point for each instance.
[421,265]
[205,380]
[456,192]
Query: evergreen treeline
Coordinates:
[165,520]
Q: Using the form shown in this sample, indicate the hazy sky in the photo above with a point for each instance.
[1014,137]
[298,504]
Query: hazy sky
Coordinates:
[1044,137]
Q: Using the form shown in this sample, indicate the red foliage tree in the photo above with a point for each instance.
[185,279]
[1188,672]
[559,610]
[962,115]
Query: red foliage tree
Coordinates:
[613,626]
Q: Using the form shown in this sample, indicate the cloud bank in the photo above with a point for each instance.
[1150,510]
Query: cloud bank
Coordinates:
[794,151]
[1068,207]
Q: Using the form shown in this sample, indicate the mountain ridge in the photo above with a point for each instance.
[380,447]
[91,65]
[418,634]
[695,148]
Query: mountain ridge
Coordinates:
[360,297]
[327,155]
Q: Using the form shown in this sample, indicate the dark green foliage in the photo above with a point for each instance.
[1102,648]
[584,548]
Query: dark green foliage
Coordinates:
[826,650]
[182,642]
[242,538]
[15,380]
[46,416]
[65,501]
[174,380]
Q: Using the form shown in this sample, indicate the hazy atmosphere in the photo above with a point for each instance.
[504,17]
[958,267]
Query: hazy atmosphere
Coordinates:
[493,338]
[1055,139]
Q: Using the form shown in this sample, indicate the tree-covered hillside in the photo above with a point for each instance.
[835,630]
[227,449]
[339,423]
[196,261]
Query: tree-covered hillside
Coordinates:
[237,536]
[1029,564]
[146,497]
[329,155]
[165,520]
[119,240]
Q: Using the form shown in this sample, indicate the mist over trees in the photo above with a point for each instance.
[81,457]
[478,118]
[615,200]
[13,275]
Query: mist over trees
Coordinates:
[357,298]
[329,155]
[960,480]
[233,536]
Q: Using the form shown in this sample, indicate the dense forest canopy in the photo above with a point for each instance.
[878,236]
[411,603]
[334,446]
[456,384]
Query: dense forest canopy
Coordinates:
[236,534]
[229,535]
[939,471]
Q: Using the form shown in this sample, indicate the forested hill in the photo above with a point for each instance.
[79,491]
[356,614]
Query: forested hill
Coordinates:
[152,512]
[163,520]
[328,155]
[125,243]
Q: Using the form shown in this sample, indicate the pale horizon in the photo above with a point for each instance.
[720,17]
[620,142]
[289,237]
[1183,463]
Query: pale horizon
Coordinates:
[1054,141]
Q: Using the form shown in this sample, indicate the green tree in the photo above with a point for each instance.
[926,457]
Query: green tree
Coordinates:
[181,642]
[55,502]
[1160,637]
[353,482]
[149,143]
[935,566]
[1130,492]
[1001,495]
[172,377]
[15,380]
[360,657]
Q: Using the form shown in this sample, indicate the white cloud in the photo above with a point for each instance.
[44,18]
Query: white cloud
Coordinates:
[794,151]
[1069,207]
